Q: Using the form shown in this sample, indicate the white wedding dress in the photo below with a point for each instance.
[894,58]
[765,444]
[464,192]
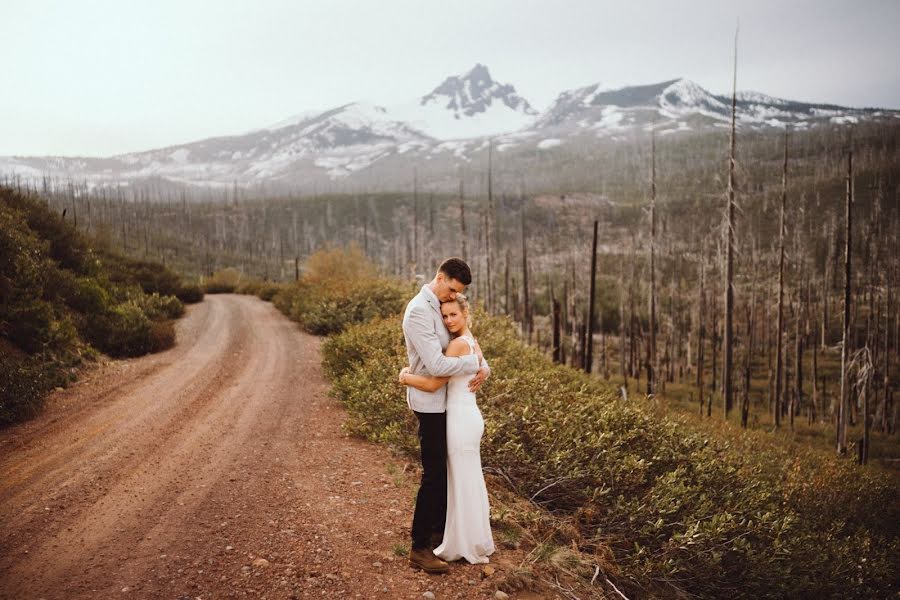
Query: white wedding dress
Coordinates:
[467,532]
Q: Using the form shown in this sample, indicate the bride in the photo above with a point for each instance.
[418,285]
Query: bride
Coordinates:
[467,532]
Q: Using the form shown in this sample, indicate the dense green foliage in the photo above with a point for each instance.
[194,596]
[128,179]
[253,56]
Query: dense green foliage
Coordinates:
[224,281]
[684,510]
[339,288]
[61,300]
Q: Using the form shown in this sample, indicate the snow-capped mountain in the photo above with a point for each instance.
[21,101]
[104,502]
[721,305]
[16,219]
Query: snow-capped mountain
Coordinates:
[467,106]
[681,105]
[445,126]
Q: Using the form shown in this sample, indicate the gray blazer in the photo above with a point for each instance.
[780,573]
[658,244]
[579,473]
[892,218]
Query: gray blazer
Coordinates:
[426,339]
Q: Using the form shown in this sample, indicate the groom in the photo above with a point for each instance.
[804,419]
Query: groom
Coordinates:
[426,339]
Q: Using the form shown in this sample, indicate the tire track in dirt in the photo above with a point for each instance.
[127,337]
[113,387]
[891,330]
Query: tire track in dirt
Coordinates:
[64,436]
[169,475]
[145,412]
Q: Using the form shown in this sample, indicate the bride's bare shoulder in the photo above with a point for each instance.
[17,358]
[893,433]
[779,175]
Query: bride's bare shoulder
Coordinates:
[458,347]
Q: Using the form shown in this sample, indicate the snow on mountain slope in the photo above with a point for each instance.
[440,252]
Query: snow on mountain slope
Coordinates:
[680,105]
[448,125]
[686,97]
[466,106]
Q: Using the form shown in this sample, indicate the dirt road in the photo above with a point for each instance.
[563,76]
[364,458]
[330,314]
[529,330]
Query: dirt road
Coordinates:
[216,469]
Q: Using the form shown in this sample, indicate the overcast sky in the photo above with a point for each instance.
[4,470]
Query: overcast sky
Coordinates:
[97,78]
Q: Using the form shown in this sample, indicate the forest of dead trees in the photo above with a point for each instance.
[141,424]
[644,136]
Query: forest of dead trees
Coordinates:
[813,260]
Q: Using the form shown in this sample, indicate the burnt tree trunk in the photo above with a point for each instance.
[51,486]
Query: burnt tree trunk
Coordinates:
[525,297]
[728,380]
[462,219]
[651,349]
[843,414]
[779,332]
[589,351]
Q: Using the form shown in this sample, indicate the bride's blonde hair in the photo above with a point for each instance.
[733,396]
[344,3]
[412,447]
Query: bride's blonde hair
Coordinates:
[464,306]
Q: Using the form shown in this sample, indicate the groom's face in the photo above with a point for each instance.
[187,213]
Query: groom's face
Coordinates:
[448,288]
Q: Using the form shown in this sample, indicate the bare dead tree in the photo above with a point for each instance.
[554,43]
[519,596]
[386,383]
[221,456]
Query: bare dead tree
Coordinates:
[589,351]
[462,218]
[815,407]
[748,358]
[779,336]
[701,316]
[489,227]
[862,369]
[525,293]
[506,289]
[728,367]
[885,402]
[415,256]
[651,350]
[557,355]
[843,413]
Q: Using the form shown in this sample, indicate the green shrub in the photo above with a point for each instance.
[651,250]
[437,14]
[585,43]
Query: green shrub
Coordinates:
[56,292]
[283,299]
[24,265]
[340,287]
[324,311]
[68,248]
[123,331]
[24,382]
[157,307]
[684,510]
[149,276]
[224,281]
[190,293]
[265,290]
[162,336]
[81,294]
[30,327]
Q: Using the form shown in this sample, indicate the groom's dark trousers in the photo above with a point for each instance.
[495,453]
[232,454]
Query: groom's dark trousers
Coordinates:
[431,501]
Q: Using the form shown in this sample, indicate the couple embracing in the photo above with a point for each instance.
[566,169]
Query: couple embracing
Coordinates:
[446,367]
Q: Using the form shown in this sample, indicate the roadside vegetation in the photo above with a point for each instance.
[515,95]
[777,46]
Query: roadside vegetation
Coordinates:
[611,494]
[65,298]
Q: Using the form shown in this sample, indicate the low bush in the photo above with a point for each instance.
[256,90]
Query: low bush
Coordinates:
[122,331]
[64,245]
[321,310]
[264,290]
[24,381]
[339,287]
[60,298]
[685,511]
[86,295]
[156,307]
[161,336]
[190,293]
[225,281]
[149,276]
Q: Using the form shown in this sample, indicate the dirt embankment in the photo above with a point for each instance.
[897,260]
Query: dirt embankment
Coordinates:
[217,469]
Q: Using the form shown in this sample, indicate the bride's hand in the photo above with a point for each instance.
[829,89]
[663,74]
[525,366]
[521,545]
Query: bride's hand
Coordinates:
[478,352]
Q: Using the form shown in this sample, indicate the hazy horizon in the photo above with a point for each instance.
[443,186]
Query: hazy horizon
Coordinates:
[100,78]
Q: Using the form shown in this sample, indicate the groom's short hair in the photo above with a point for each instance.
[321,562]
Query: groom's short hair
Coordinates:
[456,268]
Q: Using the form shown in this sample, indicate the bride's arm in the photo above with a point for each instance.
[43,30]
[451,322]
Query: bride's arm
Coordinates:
[421,382]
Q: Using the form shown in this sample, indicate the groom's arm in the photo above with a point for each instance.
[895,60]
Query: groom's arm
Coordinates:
[419,330]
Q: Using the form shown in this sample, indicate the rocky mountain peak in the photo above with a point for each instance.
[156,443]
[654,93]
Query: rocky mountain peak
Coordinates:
[475,92]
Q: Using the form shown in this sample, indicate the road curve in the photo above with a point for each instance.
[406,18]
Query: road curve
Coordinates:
[120,470]
[216,469]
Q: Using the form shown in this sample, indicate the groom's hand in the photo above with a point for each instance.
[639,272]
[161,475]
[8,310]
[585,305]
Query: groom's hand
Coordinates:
[478,379]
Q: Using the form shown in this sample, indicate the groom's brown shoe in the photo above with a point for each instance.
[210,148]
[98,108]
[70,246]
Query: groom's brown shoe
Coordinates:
[423,558]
